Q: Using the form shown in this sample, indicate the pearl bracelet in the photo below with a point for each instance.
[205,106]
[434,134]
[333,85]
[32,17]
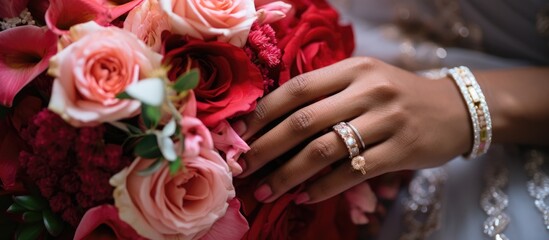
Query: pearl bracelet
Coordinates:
[478,110]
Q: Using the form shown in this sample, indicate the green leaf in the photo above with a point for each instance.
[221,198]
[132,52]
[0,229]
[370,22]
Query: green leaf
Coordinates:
[52,222]
[133,129]
[150,114]
[155,166]
[16,208]
[30,202]
[187,81]
[148,147]
[29,231]
[32,216]
[175,166]
[123,95]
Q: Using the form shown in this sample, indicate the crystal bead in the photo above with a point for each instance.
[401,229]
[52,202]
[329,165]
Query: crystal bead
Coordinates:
[350,141]
[496,224]
[494,201]
[354,151]
[501,236]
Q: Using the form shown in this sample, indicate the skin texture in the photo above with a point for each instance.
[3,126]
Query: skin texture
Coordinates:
[407,122]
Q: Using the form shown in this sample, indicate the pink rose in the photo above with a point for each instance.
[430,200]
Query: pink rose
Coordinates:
[227,140]
[95,64]
[225,21]
[186,205]
[147,21]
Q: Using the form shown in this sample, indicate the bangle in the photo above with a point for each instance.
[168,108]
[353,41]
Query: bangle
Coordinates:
[478,110]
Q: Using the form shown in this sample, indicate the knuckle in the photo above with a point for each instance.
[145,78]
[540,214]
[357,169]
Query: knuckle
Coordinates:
[298,86]
[301,120]
[385,89]
[398,116]
[322,150]
[363,63]
[260,112]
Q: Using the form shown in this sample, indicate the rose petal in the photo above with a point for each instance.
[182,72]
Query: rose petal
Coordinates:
[24,54]
[149,91]
[231,226]
[63,14]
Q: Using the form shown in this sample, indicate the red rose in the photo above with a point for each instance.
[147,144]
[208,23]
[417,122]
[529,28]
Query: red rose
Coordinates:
[312,38]
[229,83]
[283,219]
[102,222]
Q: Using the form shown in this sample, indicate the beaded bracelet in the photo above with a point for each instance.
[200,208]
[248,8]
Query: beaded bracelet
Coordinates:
[478,110]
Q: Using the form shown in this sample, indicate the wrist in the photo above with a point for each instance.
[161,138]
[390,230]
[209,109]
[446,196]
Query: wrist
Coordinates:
[458,124]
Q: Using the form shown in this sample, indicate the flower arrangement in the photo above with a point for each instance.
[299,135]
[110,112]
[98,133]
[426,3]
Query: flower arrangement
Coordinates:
[119,119]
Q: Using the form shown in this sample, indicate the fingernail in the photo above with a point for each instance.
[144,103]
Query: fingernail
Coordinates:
[302,198]
[263,192]
[240,127]
[242,164]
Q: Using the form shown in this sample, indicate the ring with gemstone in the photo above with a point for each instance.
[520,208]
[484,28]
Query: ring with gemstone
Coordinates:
[346,134]
[358,163]
[362,144]
[349,134]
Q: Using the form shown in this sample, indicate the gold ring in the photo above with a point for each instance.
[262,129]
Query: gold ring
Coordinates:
[346,132]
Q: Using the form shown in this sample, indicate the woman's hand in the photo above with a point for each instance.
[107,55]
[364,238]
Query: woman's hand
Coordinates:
[406,121]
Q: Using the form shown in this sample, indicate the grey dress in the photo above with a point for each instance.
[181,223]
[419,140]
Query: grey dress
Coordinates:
[489,34]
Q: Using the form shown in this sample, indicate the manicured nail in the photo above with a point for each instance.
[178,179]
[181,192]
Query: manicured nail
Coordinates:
[242,164]
[302,198]
[263,192]
[240,127]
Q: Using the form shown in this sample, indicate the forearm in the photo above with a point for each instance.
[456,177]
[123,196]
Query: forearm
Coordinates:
[519,104]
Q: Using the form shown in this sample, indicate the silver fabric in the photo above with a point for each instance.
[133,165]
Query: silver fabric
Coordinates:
[509,39]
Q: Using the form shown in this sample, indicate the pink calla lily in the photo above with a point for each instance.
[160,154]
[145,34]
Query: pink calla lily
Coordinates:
[24,54]
[12,8]
[63,14]
[121,7]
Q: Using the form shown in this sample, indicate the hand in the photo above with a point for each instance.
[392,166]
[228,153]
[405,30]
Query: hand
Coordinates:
[406,121]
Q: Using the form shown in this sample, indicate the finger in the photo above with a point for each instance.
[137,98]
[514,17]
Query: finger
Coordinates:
[378,161]
[296,92]
[319,154]
[299,126]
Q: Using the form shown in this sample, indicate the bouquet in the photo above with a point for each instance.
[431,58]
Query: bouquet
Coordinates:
[120,119]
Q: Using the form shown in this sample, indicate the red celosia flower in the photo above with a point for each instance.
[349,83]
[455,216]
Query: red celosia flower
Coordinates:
[262,48]
[71,167]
